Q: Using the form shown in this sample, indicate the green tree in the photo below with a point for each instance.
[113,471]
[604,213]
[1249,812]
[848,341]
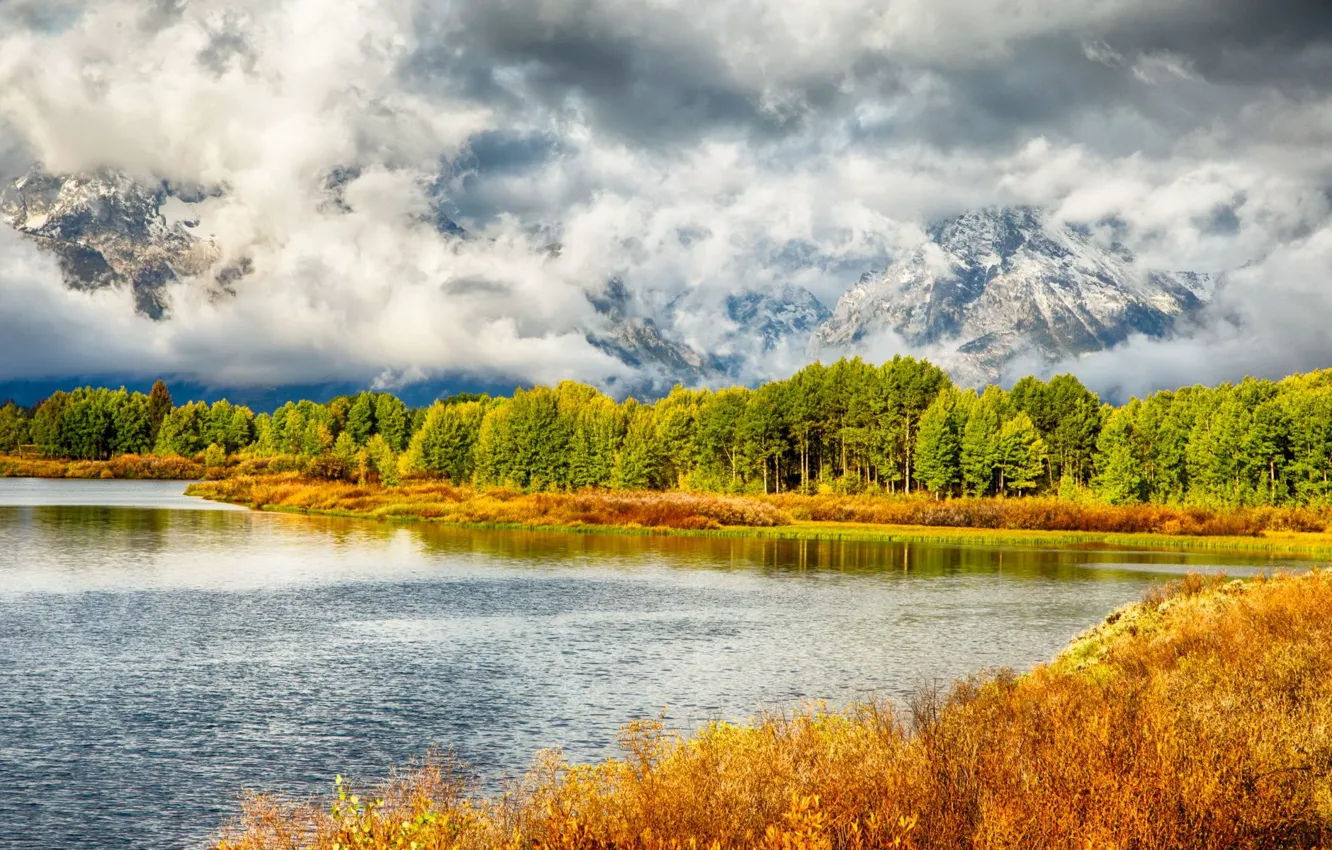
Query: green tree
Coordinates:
[719,441]
[393,421]
[762,433]
[939,445]
[184,430]
[383,459]
[638,460]
[159,406]
[445,446]
[1022,455]
[361,418]
[980,443]
[47,425]
[132,426]
[1119,466]
[13,427]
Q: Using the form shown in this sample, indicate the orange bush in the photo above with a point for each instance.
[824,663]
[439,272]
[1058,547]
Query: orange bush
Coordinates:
[443,501]
[122,466]
[1201,718]
[254,482]
[1046,514]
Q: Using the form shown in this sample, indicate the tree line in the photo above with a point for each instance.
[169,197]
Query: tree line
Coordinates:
[847,427]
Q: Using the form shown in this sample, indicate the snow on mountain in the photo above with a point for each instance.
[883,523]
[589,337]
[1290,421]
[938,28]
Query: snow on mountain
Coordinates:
[993,285]
[635,339]
[986,288]
[107,230]
[774,318]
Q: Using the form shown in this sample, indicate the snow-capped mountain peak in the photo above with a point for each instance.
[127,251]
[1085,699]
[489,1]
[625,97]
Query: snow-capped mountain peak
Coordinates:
[991,285]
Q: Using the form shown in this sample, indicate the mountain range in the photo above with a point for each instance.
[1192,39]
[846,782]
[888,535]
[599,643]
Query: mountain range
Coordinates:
[984,290]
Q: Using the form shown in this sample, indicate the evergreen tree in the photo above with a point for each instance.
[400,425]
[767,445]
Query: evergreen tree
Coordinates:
[159,405]
[361,418]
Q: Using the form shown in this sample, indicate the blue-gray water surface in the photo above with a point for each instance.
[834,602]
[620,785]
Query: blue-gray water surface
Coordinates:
[160,655]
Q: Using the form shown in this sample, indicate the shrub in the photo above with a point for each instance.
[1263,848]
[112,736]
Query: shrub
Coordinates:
[1203,720]
[328,467]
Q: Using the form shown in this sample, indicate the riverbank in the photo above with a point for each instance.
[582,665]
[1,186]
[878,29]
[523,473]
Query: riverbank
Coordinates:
[128,467]
[786,517]
[1200,717]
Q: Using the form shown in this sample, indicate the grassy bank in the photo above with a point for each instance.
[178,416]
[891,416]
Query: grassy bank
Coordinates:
[1200,718]
[1033,522]
[123,466]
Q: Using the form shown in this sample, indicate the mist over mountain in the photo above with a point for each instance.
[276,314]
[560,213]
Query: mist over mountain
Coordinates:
[254,195]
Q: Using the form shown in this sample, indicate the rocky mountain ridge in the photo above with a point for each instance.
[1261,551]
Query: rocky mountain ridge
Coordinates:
[107,230]
[994,285]
[983,290]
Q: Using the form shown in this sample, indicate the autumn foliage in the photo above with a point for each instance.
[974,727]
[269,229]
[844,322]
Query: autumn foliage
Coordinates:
[122,466]
[1049,514]
[1200,718]
[435,500]
[279,483]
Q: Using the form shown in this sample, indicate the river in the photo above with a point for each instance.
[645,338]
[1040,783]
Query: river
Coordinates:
[159,655]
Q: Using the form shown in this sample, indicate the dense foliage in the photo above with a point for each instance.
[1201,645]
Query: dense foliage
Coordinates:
[847,427]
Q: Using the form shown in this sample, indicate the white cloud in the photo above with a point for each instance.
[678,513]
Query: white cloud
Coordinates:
[690,146]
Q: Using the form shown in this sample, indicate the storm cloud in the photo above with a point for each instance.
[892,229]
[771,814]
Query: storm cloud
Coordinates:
[692,148]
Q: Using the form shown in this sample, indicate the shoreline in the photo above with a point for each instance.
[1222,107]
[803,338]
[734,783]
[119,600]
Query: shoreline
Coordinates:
[1297,545]
[1125,715]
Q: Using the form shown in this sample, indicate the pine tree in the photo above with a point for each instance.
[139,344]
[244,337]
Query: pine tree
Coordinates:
[361,418]
[159,405]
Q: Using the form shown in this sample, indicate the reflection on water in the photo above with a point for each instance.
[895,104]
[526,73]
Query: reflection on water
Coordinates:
[155,662]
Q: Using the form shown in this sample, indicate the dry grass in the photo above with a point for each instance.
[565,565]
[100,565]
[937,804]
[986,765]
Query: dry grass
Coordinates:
[1200,718]
[1046,514]
[123,466]
[433,500]
[274,483]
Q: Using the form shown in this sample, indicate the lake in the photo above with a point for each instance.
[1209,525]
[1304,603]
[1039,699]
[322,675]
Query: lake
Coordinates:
[159,655]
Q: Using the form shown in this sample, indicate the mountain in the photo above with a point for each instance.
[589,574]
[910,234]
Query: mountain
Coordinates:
[638,341]
[994,285]
[774,318]
[107,230]
[983,290]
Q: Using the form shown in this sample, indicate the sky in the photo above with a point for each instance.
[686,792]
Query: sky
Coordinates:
[692,148]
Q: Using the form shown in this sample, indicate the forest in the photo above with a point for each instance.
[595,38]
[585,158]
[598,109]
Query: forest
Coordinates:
[848,427]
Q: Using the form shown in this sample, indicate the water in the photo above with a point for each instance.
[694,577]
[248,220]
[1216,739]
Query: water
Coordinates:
[159,655]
